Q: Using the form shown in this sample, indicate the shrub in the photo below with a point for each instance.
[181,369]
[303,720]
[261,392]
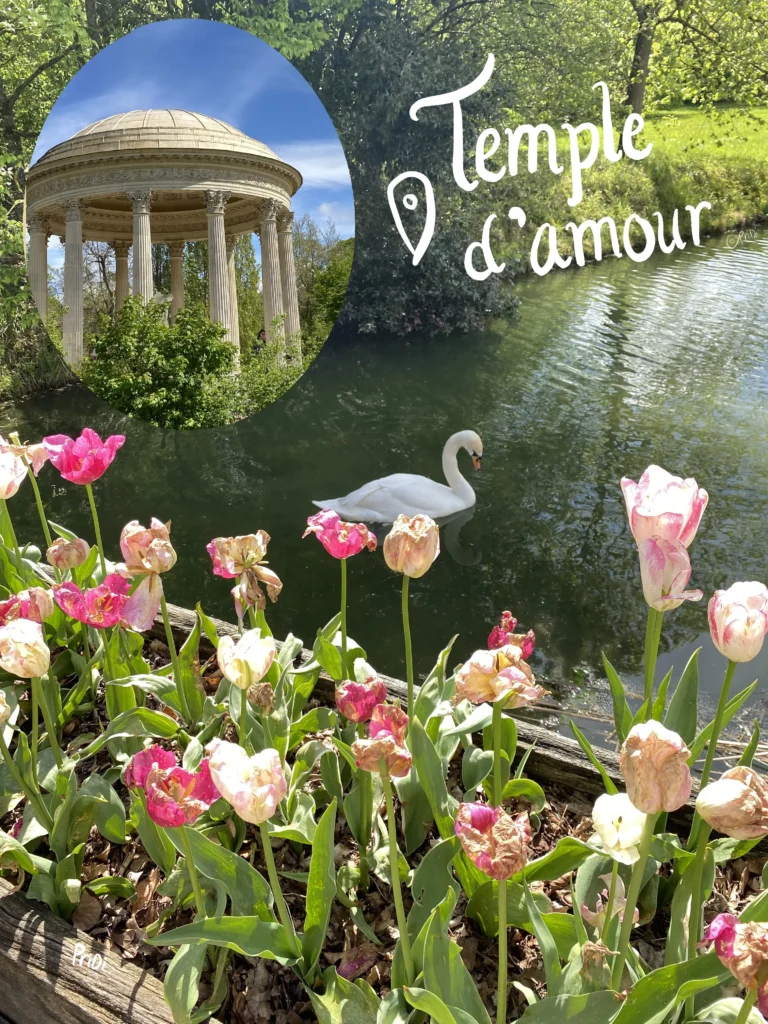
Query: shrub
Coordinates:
[169,375]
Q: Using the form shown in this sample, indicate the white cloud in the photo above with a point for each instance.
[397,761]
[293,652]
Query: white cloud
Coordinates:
[321,162]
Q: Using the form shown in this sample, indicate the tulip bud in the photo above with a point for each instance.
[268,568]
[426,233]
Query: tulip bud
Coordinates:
[23,650]
[254,786]
[654,762]
[261,696]
[494,841]
[664,506]
[412,545]
[67,554]
[5,708]
[737,804]
[619,825]
[41,604]
[246,661]
[738,620]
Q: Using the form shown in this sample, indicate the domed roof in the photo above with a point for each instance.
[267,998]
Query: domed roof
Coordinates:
[159,119]
[158,129]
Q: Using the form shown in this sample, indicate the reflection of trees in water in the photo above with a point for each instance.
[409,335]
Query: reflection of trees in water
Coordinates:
[604,371]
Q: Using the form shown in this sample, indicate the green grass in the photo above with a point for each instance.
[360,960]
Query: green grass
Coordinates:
[728,133]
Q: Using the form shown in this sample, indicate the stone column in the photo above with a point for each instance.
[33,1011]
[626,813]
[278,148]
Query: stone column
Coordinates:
[177,278]
[37,262]
[73,283]
[143,284]
[234,314]
[271,287]
[218,274]
[288,282]
[122,283]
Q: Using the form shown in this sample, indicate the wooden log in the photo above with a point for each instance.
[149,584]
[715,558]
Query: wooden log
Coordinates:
[53,973]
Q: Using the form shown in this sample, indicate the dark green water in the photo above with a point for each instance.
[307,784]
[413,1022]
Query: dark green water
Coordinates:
[604,370]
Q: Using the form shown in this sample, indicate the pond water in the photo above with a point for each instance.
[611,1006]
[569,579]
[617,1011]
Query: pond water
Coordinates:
[603,371]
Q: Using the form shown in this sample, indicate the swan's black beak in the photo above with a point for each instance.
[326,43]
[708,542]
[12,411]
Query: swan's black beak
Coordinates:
[477,460]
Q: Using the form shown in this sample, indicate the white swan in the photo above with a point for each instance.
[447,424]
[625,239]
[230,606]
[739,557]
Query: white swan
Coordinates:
[383,500]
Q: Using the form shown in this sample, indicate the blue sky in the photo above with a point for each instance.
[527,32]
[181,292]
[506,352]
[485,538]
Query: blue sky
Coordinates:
[224,72]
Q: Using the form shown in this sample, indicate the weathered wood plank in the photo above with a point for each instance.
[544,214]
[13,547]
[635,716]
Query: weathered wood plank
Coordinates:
[43,980]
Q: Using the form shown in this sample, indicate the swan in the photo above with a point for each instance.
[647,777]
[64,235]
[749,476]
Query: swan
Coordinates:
[383,500]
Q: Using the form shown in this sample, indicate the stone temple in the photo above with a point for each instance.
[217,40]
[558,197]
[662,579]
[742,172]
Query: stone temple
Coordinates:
[169,176]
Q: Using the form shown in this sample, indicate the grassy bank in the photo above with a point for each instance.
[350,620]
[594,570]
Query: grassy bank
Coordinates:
[720,157]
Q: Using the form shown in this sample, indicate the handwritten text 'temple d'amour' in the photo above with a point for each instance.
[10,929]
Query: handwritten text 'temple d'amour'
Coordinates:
[584,145]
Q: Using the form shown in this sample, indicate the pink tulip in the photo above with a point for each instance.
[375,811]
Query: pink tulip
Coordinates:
[664,506]
[35,604]
[742,947]
[147,549]
[494,841]
[102,606]
[67,554]
[85,459]
[178,797]
[340,539]
[23,650]
[386,742]
[665,569]
[504,634]
[356,701]
[242,558]
[142,763]
[33,455]
[12,474]
[654,763]
[738,620]
[254,785]
[500,675]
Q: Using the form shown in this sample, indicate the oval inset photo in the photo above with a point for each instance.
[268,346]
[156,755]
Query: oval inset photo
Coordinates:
[190,224]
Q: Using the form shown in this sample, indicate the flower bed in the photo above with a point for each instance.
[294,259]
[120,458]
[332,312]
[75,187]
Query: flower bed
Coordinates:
[373,860]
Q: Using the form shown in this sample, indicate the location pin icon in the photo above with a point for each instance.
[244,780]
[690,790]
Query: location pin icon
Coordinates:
[411,202]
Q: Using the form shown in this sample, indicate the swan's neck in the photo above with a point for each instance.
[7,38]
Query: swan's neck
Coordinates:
[460,487]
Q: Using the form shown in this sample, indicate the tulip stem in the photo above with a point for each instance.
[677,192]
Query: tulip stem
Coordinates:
[746,1007]
[40,510]
[35,688]
[343,617]
[193,875]
[282,910]
[644,849]
[175,661]
[652,638]
[50,726]
[97,528]
[408,647]
[12,534]
[496,728]
[501,990]
[365,782]
[32,796]
[611,898]
[242,728]
[712,746]
[394,869]
[696,905]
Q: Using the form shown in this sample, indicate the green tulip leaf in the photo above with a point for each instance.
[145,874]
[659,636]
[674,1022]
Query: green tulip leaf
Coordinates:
[250,936]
